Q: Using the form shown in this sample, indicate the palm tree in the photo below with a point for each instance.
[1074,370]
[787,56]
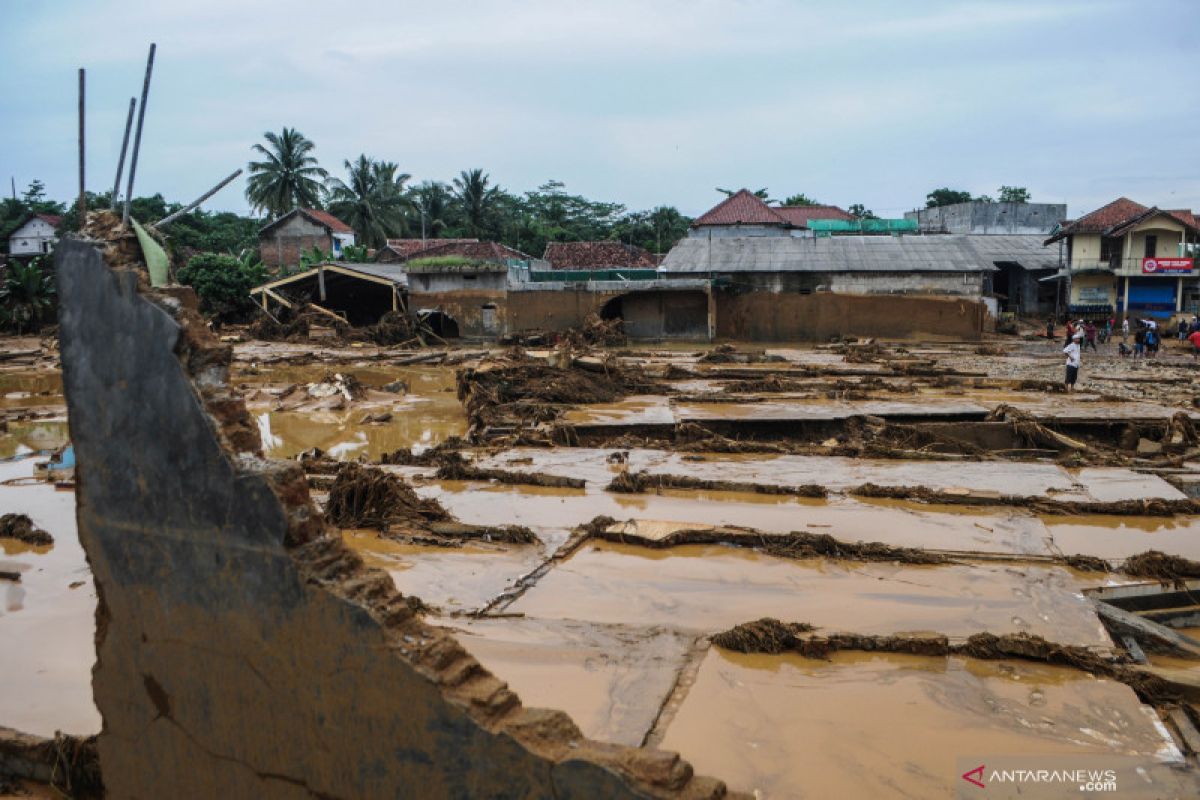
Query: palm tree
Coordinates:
[476,199]
[288,178]
[432,201]
[372,200]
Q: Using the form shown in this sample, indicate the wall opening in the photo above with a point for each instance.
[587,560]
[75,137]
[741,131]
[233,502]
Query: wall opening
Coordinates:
[660,314]
[441,323]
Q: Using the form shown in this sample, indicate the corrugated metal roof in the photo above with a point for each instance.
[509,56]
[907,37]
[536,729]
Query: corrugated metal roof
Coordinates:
[941,253]
[393,272]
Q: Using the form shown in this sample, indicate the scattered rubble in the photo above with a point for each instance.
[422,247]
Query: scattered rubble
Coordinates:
[640,482]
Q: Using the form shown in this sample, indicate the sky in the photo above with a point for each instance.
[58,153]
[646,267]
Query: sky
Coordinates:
[640,102]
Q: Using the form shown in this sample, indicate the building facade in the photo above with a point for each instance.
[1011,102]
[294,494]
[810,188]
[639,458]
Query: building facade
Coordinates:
[35,236]
[281,243]
[1127,259]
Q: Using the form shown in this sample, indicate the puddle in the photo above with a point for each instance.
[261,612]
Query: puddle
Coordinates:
[710,588]
[33,436]
[610,679]
[452,578]
[868,725]
[46,626]
[1115,537]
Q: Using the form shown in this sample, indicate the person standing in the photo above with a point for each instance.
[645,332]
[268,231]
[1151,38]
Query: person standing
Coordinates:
[1125,329]
[1089,334]
[1182,329]
[1194,338]
[1072,352]
[1139,343]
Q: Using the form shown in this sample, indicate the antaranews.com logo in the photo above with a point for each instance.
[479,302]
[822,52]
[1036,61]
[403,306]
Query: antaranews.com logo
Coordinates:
[1088,780]
[1034,777]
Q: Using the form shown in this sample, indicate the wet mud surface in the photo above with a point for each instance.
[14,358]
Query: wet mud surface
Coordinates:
[611,620]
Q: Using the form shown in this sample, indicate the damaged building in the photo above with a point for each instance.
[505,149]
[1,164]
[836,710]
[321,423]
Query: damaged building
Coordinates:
[283,241]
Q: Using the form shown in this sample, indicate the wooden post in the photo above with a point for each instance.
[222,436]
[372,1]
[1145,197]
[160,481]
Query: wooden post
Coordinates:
[321,282]
[82,191]
[121,161]
[137,138]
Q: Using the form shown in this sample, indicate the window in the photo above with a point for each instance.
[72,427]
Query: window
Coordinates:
[1151,245]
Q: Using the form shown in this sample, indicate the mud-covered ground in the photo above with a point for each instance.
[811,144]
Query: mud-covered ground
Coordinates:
[669,494]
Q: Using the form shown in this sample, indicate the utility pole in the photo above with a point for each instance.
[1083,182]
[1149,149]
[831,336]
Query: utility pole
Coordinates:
[82,191]
[137,139]
[121,161]
[13,178]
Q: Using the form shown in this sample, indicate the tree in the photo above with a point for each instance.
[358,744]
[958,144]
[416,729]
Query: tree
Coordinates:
[431,202]
[1014,194]
[946,197]
[27,297]
[862,212]
[800,200]
[289,177]
[476,199]
[223,284]
[761,194]
[372,199]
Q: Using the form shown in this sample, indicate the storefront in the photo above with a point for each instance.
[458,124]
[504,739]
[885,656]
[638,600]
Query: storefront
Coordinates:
[1161,290]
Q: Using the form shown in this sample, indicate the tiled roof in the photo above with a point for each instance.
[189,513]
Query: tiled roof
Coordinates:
[407,248]
[1116,217]
[597,255]
[741,208]
[53,220]
[800,215]
[479,251]
[328,220]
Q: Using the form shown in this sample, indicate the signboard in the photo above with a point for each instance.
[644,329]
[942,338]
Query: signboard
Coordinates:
[1166,266]
[1092,295]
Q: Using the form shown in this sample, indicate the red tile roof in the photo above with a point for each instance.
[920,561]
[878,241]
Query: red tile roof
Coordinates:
[53,220]
[478,251]
[597,255]
[800,215]
[328,220]
[741,208]
[404,249]
[1116,217]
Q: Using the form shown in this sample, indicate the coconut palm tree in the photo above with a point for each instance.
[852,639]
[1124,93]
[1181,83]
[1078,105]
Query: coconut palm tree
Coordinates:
[289,177]
[475,199]
[431,200]
[372,200]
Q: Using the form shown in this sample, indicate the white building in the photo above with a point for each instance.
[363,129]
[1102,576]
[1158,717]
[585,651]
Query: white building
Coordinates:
[35,236]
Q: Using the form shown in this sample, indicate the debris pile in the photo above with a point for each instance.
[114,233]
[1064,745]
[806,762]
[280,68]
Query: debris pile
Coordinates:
[1160,566]
[627,482]
[21,528]
[596,332]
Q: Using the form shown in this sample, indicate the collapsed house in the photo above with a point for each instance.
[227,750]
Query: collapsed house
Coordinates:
[359,294]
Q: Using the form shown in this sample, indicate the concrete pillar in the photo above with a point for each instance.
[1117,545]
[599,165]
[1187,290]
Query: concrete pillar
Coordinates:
[712,313]
[321,282]
[1125,302]
[1179,294]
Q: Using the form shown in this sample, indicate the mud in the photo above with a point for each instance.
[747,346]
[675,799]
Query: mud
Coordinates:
[772,636]
[459,469]
[1160,566]
[20,527]
[1147,507]
[641,482]
[68,765]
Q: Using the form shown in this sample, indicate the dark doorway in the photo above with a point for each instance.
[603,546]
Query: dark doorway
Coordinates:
[441,323]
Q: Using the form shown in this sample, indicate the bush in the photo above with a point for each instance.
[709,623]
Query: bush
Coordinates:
[223,284]
[27,297]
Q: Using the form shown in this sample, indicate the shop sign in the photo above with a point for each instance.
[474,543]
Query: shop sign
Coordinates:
[1166,266]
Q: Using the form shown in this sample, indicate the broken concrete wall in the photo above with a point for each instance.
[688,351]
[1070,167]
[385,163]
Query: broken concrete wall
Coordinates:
[661,315]
[781,317]
[478,313]
[242,650]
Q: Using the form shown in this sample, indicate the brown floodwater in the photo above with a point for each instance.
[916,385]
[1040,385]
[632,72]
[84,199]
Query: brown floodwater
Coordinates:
[33,436]
[47,620]
[871,725]
[429,413]
[710,588]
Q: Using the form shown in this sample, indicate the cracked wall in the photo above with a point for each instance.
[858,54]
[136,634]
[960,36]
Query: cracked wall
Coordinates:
[242,650]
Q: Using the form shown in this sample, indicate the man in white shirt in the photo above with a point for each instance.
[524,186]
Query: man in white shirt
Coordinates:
[1073,361]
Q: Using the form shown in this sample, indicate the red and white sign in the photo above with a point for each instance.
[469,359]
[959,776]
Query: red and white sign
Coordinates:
[1166,266]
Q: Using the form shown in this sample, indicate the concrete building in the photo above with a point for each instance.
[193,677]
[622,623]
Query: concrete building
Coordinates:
[1127,258]
[983,218]
[35,236]
[281,243]
[463,286]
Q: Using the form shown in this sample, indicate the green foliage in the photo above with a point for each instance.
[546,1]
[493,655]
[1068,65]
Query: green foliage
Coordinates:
[946,197]
[223,284]
[288,178]
[800,200]
[861,211]
[476,201]
[355,253]
[443,261]
[1014,194]
[32,201]
[372,200]
[310,258]
[27,297]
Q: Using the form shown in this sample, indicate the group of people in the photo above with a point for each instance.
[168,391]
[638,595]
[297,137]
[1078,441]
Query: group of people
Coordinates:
[1147,339]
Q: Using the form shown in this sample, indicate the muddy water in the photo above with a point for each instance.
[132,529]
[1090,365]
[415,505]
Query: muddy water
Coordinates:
[610,679]
[47,620]
[866,725]
[710,588]
[33,436]
[30,389]
[1116,537]
[427,415]
[453,579]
